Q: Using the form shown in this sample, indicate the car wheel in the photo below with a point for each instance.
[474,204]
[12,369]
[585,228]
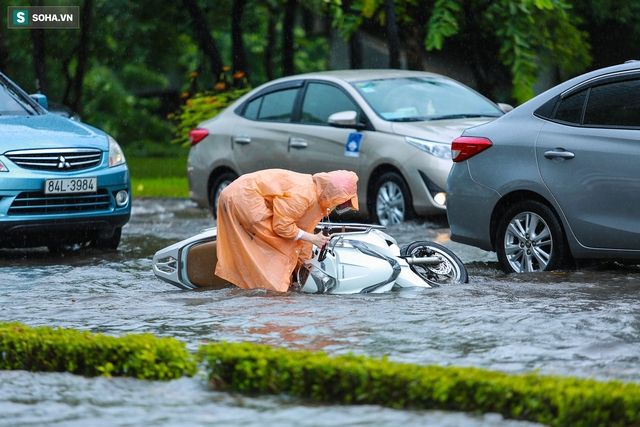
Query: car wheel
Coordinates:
[219,184]
[62,249]
[109,243]
[391,202]
[530,238]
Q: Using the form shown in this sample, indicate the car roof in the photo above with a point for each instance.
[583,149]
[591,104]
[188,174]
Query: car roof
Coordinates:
[361,74]
[538,100]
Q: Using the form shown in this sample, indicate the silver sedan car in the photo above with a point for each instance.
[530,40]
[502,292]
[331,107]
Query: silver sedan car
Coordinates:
[556,179]
[393,128]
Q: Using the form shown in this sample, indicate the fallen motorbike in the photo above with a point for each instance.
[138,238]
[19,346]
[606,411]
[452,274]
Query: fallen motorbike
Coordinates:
[359,258]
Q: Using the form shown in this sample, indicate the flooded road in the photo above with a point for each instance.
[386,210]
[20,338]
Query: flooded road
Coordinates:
[583,323]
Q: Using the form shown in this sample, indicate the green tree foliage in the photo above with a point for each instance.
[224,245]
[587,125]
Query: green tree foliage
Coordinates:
[443,23]
[526,36]
[140,58]
[533,33]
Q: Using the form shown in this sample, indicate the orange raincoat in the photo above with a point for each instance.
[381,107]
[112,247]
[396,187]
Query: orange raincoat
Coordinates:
[260,215]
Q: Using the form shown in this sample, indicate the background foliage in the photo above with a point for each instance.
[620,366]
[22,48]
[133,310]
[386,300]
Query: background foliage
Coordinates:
[140,69]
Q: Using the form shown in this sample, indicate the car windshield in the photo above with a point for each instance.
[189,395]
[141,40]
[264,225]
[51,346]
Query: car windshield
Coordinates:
[412,99]
[11,103]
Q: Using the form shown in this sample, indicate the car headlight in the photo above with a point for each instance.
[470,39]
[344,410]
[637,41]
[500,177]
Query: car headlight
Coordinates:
[116,156]
[437,149]
[3,168]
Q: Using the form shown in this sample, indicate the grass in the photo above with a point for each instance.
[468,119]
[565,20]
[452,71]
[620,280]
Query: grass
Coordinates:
[159,176]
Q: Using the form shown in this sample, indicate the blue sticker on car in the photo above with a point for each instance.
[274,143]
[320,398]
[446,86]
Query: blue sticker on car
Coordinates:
[352,147]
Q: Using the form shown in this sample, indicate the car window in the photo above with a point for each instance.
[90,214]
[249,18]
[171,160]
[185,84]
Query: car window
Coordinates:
[570,108]
[424,98]
[9,105]
[322,100]
[252,109]
[277,106]
[614,104]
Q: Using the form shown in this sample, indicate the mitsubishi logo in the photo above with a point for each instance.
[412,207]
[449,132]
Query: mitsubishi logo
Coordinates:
[62,163]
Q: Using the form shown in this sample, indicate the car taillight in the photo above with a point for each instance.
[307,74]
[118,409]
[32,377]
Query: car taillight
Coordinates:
[196,135]
[465,147]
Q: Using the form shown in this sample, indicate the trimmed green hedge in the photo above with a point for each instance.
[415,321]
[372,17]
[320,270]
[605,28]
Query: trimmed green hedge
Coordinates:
[258,369]
[555,401]
[46,349]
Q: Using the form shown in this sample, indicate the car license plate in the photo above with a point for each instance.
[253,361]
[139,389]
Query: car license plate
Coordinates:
[70,185]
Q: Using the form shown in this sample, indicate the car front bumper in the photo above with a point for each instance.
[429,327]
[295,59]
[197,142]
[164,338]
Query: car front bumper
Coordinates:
[29,217]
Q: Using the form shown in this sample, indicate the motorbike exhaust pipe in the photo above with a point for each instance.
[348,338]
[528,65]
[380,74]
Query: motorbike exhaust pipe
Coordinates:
[428,260]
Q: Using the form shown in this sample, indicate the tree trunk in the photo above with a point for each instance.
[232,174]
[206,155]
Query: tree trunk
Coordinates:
[480,53]
[83,55]
[271,42]
[415,48]
[355,41]
[355,50]
[68,77]
[204,38]
[39,61]
[414,36]
[237,42]
[4,54]
[393,41]
[39,56]
[287,37]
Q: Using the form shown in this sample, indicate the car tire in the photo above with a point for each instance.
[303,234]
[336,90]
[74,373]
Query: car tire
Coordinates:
[390,201]
[530,238]
[109,243]
[62,249]
[218,185]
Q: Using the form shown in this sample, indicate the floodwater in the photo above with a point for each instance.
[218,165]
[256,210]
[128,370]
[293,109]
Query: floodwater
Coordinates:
[583,323]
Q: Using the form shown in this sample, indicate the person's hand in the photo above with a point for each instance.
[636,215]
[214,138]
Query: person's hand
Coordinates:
[320,240]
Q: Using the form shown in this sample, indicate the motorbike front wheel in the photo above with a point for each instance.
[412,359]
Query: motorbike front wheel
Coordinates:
[449,271]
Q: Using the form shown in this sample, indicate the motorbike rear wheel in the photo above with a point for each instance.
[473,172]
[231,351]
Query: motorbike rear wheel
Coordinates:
[449,271]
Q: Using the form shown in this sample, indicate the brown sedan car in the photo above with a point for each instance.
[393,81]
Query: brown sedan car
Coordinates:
[392,127]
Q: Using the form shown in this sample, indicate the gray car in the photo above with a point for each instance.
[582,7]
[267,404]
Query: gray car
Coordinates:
[557,178]
[393,128]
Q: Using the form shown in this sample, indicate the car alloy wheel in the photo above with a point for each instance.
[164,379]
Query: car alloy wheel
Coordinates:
[391,203]
[528,243]
[530,239]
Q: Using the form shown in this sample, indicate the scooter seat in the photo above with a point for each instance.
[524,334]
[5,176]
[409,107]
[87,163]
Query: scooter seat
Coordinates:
[201,264]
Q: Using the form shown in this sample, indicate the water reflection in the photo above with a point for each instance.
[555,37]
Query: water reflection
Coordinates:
[67,400]
[582,323]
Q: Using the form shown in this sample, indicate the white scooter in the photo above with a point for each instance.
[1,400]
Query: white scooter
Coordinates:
[359,258]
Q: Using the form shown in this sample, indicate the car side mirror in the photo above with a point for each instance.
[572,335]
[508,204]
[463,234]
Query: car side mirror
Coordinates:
[40,99]
[505,107]
[345,119]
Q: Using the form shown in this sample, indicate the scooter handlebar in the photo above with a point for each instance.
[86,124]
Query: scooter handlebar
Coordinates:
[323,251]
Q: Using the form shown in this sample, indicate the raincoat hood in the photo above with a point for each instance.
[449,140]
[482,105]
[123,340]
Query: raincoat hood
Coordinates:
[336,187]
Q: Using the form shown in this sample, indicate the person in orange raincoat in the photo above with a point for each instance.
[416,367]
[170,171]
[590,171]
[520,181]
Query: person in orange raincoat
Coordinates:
[266,221]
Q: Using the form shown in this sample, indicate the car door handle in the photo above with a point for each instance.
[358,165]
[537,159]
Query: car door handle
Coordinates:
[298,143]
[242,140]
[559,153]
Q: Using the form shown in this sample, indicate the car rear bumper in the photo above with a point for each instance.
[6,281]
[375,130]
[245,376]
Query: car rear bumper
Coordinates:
[469,208]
